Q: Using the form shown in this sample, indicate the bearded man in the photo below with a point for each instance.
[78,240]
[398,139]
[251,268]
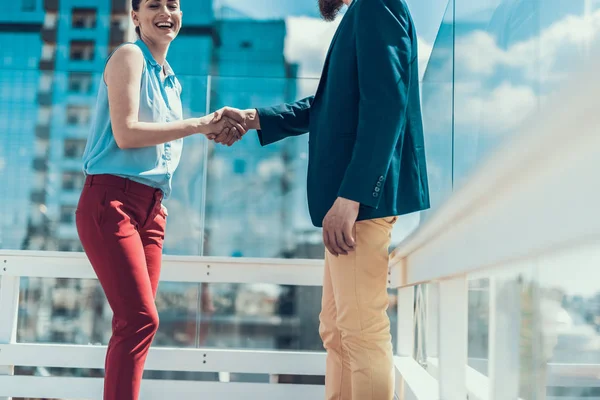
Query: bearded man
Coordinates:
[366,168]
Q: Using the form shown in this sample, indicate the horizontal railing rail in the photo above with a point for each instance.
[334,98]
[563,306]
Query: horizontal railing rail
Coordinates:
[193,269]
[169,359]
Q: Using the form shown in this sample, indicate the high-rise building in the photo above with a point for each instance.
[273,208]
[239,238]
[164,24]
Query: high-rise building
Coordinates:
[249,193]
[52,58]
[252,192]
[19,76]
[77,36]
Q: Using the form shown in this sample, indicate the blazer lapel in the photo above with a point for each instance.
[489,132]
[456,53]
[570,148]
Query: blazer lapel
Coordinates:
[328,56]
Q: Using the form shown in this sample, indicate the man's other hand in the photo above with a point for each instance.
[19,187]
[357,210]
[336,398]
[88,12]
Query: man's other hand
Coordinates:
[338,225]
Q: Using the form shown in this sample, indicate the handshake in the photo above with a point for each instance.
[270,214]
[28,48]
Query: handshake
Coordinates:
[228,125]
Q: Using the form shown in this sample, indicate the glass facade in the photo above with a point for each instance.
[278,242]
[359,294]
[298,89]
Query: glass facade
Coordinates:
[493,65]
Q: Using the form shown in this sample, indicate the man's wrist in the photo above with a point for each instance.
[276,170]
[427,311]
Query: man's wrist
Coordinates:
[353,203]
[252,118]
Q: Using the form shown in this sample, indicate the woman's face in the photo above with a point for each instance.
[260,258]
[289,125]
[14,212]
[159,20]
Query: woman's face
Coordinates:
[158,20]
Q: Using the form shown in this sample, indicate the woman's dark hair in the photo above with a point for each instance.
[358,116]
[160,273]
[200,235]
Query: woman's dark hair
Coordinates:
[135,6]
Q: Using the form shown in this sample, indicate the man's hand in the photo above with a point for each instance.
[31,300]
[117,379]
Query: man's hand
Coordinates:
[248,119]
[337,226]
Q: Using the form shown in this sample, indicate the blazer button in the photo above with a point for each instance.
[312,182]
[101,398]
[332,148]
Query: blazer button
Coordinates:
[381,179]
[377,189]
[375,194]
[378,184]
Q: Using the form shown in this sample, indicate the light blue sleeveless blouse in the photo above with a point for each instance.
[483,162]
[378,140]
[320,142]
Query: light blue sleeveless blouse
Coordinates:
[159,102]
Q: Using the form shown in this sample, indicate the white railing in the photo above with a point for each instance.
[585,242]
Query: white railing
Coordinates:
[538,195]
[17,264]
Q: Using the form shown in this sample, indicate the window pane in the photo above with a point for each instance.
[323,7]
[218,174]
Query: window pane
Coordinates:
[73,148]
[72,180]
[84,18]
[78,115]
[80,82]
[82,50]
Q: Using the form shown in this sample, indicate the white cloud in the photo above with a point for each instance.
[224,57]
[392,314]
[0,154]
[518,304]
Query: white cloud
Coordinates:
[425,49]
[497,88]
[307,42]
[478,110]
[478,53]
[496,111]
[547,56]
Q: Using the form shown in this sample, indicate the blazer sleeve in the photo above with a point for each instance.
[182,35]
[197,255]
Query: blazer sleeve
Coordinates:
[384,51]
[279,122]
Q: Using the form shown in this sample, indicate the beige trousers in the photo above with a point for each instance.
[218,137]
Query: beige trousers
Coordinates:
[354,325]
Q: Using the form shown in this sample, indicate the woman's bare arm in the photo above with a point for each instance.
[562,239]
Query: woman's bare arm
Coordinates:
[123,76]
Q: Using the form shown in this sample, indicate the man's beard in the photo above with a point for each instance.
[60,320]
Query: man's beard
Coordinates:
[330,8]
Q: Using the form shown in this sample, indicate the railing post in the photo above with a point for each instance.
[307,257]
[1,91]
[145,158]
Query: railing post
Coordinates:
[405,338]
[405,344]
[9,305]
[452,338]
[432,316]
[420,318]
[504,337]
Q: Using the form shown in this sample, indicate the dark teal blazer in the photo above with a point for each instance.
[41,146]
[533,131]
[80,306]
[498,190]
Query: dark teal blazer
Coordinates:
[366,131]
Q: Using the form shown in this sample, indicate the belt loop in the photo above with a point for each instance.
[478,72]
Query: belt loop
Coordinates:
[126,185]
[91,180]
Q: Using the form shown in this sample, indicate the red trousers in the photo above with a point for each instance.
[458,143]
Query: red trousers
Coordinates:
[121,225]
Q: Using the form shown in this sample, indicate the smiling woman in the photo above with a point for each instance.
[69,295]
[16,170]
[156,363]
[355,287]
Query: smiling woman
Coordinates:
[151,13]
[132,151]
